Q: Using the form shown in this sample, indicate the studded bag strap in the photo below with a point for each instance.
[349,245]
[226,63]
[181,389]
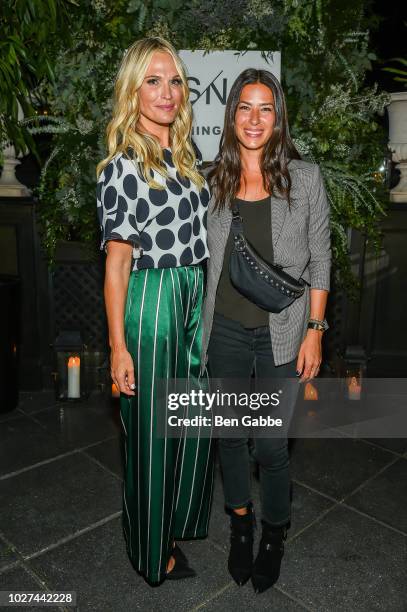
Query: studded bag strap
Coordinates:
[237,221]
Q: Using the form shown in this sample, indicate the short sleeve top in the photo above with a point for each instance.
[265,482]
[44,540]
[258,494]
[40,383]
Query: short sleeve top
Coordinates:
[167,227]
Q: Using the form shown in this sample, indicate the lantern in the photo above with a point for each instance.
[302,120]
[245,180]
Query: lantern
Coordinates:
[69,375]
[355,371]
[310,392]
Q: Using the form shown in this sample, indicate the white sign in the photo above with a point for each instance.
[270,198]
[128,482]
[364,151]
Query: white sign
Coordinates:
[210,77]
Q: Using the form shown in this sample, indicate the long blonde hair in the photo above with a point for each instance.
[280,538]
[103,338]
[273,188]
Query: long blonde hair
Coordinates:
[122,131]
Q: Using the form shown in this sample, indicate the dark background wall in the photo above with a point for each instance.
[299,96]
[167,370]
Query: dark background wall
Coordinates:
[388,40]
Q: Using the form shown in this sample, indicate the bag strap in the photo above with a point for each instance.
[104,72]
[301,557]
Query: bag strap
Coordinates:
[237,221]
[237,230]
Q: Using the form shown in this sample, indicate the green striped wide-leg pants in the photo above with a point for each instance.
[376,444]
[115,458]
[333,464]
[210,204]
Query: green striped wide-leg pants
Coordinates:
[168,481]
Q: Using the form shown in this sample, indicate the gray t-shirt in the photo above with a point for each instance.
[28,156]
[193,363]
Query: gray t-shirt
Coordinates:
[166,227]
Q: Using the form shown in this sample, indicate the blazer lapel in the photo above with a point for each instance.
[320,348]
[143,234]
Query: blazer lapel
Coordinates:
[226,222]
[219,228]
[278,215]
[227,219]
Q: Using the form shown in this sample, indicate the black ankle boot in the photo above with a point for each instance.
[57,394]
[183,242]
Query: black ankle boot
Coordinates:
[266,568]
[240,560]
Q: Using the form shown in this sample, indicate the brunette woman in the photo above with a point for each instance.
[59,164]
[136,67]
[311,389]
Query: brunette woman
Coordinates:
[286,218]
[152,204]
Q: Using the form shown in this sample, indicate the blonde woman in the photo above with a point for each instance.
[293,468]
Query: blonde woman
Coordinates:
[152,204]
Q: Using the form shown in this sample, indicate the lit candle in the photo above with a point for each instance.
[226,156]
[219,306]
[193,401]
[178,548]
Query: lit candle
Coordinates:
[354,389]
[74,377]
[310,392]
[115,391]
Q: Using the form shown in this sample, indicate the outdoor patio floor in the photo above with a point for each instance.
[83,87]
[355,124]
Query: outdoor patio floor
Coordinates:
[60,492]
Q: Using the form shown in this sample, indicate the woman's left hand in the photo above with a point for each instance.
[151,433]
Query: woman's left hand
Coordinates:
[310,355]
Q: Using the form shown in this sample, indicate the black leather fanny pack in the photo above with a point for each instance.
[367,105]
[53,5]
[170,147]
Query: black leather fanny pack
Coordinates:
[263,283]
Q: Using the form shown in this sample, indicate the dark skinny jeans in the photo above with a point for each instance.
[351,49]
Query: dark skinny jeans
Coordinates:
[233,353]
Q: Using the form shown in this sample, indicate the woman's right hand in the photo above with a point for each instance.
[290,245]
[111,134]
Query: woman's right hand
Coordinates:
[122,371]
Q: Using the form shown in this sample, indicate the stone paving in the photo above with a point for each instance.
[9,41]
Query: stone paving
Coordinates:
[60,522]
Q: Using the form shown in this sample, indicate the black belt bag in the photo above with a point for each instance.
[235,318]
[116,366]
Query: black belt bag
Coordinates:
[264,284]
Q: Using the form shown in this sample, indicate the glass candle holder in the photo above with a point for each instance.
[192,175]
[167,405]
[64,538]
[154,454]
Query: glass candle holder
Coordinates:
[354,382]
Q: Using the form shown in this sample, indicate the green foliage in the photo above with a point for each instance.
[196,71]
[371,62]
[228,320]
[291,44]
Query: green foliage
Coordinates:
[401,74]
[29,30]
[325,56]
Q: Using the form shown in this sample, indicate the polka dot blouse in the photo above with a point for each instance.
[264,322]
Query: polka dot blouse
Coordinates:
[166,227]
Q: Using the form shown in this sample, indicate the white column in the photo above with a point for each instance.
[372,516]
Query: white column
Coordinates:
[398,142]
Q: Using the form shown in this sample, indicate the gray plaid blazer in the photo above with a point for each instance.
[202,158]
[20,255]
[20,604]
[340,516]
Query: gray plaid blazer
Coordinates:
[301,244]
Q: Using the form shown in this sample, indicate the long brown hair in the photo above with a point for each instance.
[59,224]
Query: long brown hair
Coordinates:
[225,177]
